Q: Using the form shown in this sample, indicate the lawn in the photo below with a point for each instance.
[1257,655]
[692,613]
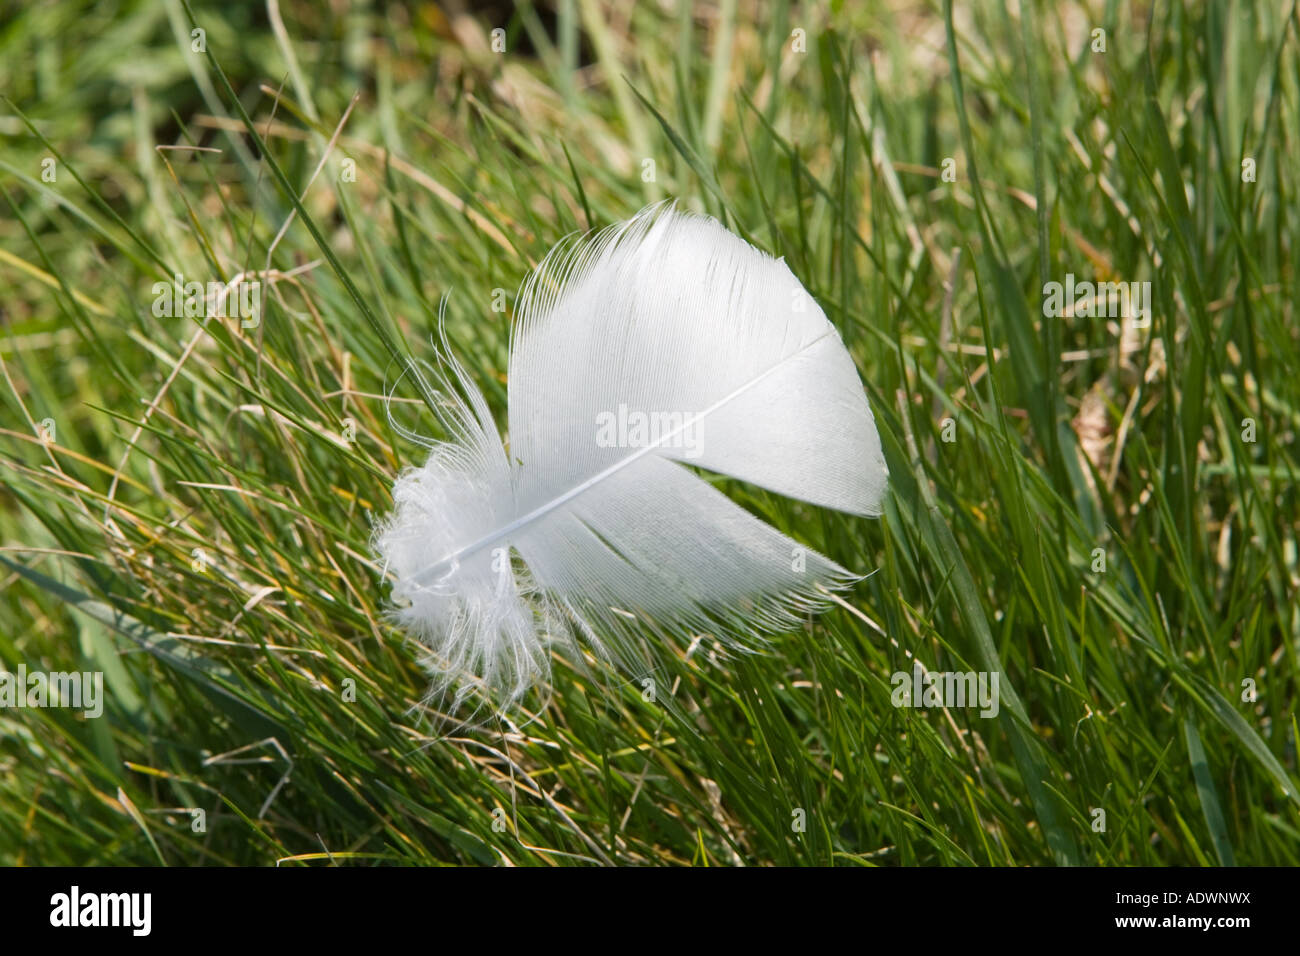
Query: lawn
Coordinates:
[1096,504]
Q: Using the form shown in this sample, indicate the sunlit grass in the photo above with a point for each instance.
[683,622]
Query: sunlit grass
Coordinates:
[1106,516]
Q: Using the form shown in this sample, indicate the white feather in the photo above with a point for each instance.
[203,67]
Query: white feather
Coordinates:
[497,553]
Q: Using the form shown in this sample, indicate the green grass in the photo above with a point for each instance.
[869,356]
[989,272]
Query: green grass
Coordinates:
[1122,688]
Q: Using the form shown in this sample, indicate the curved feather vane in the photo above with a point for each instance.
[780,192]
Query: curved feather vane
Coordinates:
[652,348]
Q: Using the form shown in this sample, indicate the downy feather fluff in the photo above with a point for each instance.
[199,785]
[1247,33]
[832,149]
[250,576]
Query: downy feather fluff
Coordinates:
[639,353]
